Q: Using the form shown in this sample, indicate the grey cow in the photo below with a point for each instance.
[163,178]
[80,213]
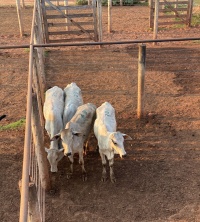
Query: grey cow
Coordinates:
[76,132]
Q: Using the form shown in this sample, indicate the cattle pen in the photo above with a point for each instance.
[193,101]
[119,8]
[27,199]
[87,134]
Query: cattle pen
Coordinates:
[36,178]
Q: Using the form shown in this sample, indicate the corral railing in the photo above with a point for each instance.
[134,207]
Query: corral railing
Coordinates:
[35,176]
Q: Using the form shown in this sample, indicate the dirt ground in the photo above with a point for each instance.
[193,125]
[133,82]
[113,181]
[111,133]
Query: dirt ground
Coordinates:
[159,179]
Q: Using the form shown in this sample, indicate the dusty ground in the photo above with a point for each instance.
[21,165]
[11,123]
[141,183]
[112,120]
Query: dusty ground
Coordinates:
[159,180]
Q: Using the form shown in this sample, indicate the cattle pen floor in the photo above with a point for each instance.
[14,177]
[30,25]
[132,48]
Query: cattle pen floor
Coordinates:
[159,179]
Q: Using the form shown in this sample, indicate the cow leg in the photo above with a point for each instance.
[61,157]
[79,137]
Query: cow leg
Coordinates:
[112,175]
[85,148]
[86,144]
[104,175]
[81,162]
[71,159]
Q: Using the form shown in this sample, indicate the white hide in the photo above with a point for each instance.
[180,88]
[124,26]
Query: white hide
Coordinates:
[76,133]
[73,99]
[109,140]
[78,128]
[53,112]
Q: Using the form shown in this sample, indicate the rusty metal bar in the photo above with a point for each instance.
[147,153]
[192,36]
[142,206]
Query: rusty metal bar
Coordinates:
[100,43]
[27,142]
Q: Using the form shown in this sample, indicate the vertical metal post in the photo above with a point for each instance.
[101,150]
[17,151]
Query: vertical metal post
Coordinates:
[141,80]
[27,146]
[27,142]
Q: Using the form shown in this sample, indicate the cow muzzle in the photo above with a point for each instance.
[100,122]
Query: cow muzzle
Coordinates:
[68,154]
[123,156]
[54,170]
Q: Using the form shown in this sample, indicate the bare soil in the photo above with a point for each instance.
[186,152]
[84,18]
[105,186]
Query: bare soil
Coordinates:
[159,179]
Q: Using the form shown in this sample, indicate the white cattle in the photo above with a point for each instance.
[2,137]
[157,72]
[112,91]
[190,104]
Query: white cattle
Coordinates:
[73,99]
[53,112]
[110,141]
[76,132]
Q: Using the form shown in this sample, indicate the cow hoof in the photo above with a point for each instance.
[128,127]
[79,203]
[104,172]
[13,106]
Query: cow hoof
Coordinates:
[103,179]
[113,180]
[84,177]
[52,191]
[69,176]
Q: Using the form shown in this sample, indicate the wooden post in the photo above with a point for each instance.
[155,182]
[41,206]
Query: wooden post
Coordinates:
[189,17]
[45,22]
[33,206]
[38,89]
[109,16]
[23,4]
[66,12]
[151,13]
[95,20]
[38,140]
[141,80]
[99,11]
[41,23]
[19,14]
[155,29]
[121,2]
[176,5]
[40,75]
[39,56]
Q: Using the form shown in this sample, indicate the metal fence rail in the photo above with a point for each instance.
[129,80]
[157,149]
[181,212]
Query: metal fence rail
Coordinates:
[34,182]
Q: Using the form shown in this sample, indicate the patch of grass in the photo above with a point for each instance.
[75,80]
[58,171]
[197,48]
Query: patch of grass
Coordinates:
[197,2]
[195,20]
[143,4]
[196,41]
[46,53]
[178,26]
[15,125]
[27,50]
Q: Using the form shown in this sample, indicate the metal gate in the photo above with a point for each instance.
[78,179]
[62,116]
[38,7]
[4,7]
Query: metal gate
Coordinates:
[171,12]
[65,22]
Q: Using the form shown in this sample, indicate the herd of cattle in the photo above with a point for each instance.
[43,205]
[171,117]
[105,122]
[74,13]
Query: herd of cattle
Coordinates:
[69,124]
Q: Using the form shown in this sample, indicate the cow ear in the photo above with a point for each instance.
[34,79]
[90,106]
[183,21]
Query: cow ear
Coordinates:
[56,137]
[126,137]
[46,149]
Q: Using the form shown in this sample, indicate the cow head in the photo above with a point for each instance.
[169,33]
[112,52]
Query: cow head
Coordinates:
[68,137]
[117,142]
[54,156]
